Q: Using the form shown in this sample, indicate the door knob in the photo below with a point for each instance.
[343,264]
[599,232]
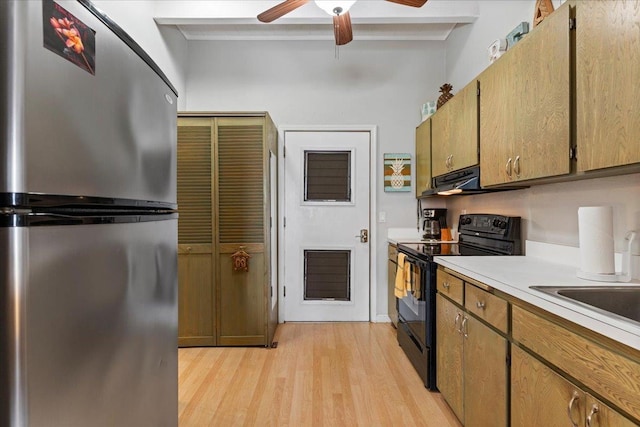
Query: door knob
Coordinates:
[364,235]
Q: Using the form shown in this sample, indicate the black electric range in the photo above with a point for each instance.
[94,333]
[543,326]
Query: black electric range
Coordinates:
[479,234]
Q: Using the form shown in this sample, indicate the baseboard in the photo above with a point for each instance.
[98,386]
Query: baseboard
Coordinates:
[382,318]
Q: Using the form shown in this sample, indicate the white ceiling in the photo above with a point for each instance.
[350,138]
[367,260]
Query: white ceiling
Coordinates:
[371,20]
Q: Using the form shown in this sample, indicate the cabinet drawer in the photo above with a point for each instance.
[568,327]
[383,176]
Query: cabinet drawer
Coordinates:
[615,377]
[450,286]
[486,306]
[393,253]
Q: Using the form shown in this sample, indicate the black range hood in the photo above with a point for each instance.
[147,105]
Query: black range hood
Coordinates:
[462,182]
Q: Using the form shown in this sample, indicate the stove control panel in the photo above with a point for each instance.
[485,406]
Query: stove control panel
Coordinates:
[490,225]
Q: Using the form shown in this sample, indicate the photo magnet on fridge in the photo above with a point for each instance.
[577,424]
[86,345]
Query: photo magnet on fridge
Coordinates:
[67,36]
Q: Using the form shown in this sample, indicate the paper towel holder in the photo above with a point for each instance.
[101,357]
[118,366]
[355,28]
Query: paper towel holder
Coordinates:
[623,276]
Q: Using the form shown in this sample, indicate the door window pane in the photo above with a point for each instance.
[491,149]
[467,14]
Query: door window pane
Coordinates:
[327,176]
[327,275]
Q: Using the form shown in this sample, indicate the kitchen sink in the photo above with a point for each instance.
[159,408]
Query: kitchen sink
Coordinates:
[614,301]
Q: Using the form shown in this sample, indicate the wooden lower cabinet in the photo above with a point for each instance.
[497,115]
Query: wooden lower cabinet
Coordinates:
[449,356]
[541,397]
[471,366]
[485,375]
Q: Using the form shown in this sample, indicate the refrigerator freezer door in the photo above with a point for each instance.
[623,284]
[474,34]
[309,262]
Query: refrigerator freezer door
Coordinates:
[66,131]
[100,347]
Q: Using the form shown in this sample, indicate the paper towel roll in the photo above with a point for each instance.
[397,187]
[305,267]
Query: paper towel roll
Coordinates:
[595,231]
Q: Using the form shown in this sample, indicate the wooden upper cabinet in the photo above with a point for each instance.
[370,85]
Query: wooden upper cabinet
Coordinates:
[423,157]
[607,76]
[454,132]
[525,106]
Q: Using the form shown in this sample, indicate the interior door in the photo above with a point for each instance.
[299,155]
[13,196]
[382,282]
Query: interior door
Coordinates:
[326,210]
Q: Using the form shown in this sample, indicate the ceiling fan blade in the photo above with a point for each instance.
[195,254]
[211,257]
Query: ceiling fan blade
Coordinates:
[342,29]
[280,10]
[412,3]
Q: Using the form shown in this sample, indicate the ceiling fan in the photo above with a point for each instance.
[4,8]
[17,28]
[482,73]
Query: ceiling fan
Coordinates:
[339,9]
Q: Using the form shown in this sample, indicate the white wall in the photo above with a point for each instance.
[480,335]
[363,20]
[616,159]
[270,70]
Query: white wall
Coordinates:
[301,83]
[165,45]
[550,211]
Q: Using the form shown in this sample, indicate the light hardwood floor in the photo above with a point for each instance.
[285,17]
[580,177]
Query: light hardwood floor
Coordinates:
[321,374]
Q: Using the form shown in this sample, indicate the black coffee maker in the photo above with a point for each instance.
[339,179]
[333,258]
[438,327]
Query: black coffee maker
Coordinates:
[433,222]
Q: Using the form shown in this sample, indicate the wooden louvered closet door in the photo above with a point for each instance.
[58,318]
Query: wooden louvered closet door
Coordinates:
[196,300]
[241,207]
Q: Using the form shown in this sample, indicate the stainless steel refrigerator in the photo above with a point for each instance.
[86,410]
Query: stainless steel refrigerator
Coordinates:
[88,223]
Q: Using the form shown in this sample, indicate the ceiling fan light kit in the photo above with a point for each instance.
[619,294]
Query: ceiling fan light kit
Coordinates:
[335,7]
[339,9]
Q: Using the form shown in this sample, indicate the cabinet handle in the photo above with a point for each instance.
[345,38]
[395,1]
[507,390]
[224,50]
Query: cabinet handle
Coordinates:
[594,410]
[573,400]
[457,323]
[465,331]
[446,162]
[516,166]
[446,285]
[480,305]
[507,167]
[451,161]
[189,248]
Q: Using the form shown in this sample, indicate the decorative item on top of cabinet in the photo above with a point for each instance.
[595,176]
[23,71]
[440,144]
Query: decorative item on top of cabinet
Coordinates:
[454,132]
[423,157]
[445,89]
[230,195]
[525,107]
[607,90]
[542,10]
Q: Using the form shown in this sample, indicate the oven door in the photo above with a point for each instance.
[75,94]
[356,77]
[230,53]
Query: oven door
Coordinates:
[412,309]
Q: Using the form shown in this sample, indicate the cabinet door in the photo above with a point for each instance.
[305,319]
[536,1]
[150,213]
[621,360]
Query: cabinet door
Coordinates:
[497,123]
[600,415]
[454,132]
[540,397]
[485,376]
[391,303]
[423,157]
[607,75]
[449,353]
[196,296]
[241,211]
[463,143]
[528,94]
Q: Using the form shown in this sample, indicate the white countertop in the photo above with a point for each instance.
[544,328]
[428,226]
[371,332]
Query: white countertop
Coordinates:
[514,275]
